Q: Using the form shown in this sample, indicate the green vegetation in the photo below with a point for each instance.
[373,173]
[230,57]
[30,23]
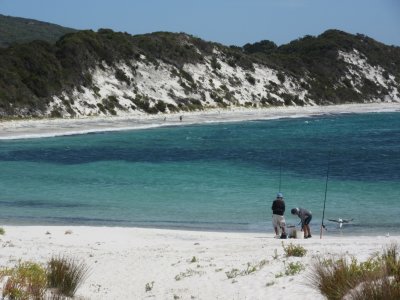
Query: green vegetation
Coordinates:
[291,269]
[251,268]
[66,275]
[294,268]
[2,231]
[33,72]
[21,30]
[187,273]
[215,64]
[25,281]
[149,286]
[376,278]
[250,79]
[264,47]
[29,280]
[121,76]
[294,250]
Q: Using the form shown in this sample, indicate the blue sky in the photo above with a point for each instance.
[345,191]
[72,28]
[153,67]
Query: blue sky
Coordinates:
[230,22]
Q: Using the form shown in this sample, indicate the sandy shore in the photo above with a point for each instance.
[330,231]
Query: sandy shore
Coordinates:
[184,264]
[18,129]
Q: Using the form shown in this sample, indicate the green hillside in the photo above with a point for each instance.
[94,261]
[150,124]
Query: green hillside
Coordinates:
[21,30]
[310,71]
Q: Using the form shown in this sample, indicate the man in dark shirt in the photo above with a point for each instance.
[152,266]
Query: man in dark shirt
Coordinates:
[278,220]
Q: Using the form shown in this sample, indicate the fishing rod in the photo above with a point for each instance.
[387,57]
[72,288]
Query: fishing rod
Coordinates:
[326,191]
[280,170]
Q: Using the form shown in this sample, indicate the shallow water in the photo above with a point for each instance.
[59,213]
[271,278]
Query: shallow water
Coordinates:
[210,177]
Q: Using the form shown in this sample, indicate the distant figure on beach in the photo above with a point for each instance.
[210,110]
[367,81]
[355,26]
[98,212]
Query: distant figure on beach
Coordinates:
[278,220]
[305,217]
[180,118]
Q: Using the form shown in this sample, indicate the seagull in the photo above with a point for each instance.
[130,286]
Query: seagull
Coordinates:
[340,221]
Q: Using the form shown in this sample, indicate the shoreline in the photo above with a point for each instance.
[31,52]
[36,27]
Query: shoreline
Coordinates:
[266,228]
[40,128]
[186,264]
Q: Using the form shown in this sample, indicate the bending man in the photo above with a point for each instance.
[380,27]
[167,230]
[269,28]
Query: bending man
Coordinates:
[305,217]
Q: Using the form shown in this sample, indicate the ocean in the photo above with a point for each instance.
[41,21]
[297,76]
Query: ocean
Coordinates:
[221,176]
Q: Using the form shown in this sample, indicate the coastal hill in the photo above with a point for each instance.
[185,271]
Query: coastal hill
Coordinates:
[21,30]
[113,73]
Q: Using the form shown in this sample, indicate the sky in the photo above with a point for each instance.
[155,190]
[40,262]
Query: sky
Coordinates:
[230,22]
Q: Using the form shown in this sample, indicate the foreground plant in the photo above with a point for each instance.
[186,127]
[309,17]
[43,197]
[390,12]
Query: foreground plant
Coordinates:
[2,231]
[149,286]
[251,268]
[291,269]
[66,275]
[25,281]
[377,278]
[294,250]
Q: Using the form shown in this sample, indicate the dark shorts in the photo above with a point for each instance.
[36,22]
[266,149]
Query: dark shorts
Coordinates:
[307,220]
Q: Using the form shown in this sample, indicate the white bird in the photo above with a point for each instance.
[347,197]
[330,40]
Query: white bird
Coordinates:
[340,221]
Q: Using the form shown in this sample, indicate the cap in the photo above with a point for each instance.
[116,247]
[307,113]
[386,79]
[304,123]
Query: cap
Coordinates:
[279,195]
[294,211]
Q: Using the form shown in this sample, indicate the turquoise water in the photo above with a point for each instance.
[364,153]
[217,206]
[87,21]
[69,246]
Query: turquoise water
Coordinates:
[210,177]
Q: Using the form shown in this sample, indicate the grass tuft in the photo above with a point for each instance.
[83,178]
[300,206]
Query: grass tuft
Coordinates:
[294,268]
[251,268]
[66,274]
[376,278]
[294,250]
[2,231]
[291,269]
[149,286]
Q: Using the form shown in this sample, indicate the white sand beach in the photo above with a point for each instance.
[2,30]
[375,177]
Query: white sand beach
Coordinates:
[36,128]
[184,264]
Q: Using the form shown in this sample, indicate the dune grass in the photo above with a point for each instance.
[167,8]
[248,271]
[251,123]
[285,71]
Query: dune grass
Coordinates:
[376,278]
[2,231]
[66,274]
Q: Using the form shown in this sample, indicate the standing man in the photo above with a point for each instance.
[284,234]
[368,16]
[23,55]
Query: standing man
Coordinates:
[278,220]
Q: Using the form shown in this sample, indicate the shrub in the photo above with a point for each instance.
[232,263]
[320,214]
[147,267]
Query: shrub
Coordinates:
[377,278]
[66,275]
[335,278]
[2,231]
[160,106]
[215,64]
[232,273]
[149,286]
[121,76]
[25,281]
[294,250]
[291,269]
[280,77]
[250,79]
[186,76]
[294,268]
